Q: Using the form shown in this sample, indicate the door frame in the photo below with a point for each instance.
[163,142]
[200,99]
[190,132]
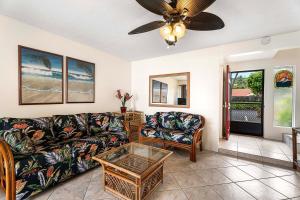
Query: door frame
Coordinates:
[263,95]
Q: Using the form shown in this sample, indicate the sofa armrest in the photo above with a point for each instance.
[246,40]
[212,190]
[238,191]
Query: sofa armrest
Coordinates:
[197,135]
[7,171]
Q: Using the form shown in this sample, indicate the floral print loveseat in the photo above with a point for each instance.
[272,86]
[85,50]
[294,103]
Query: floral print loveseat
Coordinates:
[43,152]
[177,129]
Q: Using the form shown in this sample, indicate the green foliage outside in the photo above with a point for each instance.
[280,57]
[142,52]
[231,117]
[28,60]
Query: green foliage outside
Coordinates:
[254,82]
[250,106]
[240,83]
[284,110]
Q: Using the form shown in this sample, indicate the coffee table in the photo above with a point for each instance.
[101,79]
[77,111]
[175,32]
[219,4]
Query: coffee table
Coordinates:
[132,171]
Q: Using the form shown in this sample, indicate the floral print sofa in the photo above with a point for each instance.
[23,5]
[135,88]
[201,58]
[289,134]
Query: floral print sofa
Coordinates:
[43,152]
[177,129]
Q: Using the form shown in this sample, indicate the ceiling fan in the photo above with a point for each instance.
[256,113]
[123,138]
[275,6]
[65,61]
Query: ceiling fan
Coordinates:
[179,15]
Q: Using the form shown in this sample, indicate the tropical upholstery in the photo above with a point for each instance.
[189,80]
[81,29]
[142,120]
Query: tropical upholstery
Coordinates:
[70,126]
[172,126]
[152,132]
[167,120]
[187,122]
[151,121]
[116,124]
[23,134]
[177,136]
[98,122]
[48,151]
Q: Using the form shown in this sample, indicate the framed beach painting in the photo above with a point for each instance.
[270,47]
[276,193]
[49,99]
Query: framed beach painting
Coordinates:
[80,81]
[40,77]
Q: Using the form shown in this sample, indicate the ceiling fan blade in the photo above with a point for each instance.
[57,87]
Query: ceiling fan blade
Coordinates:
[173,3]
[204,22]
[159,7]
[148,27]
[194,7]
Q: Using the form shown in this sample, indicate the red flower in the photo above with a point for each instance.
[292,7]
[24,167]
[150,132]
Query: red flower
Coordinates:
[127,97]
[50,171]
[119,95]
[20,126]
[68,129]
[88,157]
[93,148]
[39,134]
[113,139]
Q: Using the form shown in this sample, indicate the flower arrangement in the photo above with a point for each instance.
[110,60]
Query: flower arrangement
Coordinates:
[123,98]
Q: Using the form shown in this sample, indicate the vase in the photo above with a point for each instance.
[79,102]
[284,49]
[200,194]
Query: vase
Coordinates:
[123,109]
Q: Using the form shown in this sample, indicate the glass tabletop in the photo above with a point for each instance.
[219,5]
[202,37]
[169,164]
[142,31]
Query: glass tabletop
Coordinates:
[134,157]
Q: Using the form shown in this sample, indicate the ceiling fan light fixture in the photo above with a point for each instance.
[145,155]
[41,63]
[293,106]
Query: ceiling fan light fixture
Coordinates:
[166,30]
[178,17]
[179,30]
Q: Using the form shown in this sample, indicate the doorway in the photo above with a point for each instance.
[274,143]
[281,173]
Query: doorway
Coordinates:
[247,102]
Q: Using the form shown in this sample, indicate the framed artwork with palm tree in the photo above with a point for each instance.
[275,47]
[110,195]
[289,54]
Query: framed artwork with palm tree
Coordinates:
[40,77]
[80,81]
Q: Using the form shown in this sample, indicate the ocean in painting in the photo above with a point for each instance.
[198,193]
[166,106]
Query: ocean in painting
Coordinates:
[41,77]
[80,81]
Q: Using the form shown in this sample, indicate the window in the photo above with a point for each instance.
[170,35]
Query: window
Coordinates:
[283,96]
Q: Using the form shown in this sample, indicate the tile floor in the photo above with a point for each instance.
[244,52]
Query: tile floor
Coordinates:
[256,148]
[212,177]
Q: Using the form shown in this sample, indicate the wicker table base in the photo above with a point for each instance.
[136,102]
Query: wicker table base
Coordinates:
[132,171]
[128,187]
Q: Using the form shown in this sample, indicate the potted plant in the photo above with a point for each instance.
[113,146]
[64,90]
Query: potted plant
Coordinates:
[123,98]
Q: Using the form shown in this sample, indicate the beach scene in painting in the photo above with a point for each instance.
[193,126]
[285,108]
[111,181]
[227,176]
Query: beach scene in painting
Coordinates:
[41,77]
[81,80]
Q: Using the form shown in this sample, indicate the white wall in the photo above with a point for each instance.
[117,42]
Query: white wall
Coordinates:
[206,81]
[283,58]
[112,73]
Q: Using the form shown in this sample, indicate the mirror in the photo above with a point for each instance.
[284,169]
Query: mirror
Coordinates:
[170,90]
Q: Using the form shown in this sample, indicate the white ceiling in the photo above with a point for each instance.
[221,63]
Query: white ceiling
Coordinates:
[104,24]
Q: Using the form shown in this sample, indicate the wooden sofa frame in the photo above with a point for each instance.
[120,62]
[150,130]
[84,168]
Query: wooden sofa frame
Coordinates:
[7,168]
[7,171]
[197,138]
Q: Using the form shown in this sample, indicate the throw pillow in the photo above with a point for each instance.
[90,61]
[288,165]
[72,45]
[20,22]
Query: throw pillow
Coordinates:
[151,121]
[167,120]
[98,122]
[70,126]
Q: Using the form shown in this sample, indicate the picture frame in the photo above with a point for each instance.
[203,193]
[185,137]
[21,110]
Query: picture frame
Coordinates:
[41,79]
[80,78]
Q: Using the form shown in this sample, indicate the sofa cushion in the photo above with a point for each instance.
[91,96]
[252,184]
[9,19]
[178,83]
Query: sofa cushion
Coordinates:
[98,122]
[85,148]
[18,142]
[70,126]
[167,120]
[116,124]
[37,129]
[177,136]
[53,154]
[151,121]
[46,167]
[83,151]
[188,123]
[151,132]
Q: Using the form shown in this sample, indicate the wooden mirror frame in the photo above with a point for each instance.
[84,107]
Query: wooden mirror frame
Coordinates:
[187,74]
